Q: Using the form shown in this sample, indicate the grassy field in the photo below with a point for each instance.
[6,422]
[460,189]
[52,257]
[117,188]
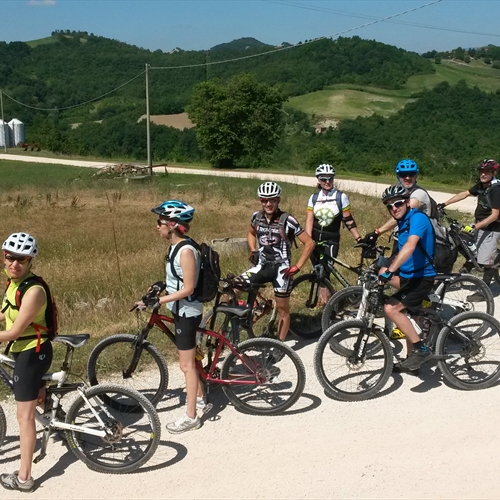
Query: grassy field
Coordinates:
[340,102]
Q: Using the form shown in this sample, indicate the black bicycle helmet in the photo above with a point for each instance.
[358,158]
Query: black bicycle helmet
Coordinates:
[396,191]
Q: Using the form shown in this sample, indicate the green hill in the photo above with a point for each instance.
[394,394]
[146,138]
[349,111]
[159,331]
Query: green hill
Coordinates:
[340,102]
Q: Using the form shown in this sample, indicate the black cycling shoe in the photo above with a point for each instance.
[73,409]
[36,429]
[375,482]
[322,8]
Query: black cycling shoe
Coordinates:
[397,368]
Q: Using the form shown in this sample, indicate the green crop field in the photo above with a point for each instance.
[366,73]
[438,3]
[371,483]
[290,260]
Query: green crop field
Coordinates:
[343,101]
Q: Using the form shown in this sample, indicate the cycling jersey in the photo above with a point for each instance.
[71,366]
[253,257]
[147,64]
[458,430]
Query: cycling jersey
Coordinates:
[416,223]
[274,244]
[420,194]
[11,314]
[182,307]
[328,200]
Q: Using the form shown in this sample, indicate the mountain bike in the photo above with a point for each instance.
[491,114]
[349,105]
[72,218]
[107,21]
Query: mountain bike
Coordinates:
[257,315]
[466,245]
[354,357]
[305,303]
[115,438]
[260,376]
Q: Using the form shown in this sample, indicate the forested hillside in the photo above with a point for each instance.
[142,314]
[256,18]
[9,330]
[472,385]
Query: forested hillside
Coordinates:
[78,67]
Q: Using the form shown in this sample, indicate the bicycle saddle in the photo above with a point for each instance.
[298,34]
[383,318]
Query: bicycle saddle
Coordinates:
[72,340]
[239,311]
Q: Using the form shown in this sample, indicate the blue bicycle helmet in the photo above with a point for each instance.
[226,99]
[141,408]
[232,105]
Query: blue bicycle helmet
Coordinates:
[407,167]
[175,210]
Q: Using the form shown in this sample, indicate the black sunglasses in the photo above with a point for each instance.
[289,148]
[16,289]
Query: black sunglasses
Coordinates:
[325,179]
[396,204]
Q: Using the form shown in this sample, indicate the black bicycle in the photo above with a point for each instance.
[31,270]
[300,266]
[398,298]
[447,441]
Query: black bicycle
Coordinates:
[354,357]
[466,245]
[306,307]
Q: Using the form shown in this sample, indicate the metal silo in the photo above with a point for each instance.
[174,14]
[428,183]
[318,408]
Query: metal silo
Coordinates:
[17,131]
[4,134]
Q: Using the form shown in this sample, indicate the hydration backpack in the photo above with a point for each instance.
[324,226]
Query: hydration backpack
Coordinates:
[288,238]
[209,277]
[51,317]
[338,199]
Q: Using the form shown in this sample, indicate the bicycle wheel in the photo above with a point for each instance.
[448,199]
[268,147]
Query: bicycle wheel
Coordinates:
[131,439]
[466,293]
[341,375]
[267,379]
[473,363]
[3,426]
[111,358]
[343,305]
[305,318]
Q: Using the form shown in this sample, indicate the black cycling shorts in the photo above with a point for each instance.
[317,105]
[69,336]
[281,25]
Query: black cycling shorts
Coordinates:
[30,367]
[413,291]
[185,331]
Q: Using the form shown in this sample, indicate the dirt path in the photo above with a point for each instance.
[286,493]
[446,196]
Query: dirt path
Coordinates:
[368,188]
[418,439]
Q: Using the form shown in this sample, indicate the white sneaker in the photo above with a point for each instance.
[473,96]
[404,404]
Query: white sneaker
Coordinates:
[184,424]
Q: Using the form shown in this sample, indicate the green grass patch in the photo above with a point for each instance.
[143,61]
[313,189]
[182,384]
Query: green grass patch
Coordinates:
[42,41]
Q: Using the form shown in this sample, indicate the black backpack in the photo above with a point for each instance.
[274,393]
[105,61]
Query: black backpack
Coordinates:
[288,238]
[51,318]
[209,277]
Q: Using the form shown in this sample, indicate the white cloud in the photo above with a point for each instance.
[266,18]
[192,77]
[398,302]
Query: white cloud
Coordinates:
[43,2]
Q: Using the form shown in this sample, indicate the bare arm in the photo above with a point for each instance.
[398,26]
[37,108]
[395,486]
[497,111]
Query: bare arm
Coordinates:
[252,239]
[495,213]
[309,222]
[309,245]
[404,254]
[349,222]
[33,301]
[387,226]
[458,197]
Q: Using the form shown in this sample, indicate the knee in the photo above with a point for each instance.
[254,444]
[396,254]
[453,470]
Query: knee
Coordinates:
[187,365]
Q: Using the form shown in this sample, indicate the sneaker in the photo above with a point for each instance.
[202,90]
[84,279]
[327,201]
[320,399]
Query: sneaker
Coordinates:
[416,359]
[275,355]
[476,297]
[11,482]
[184,424]
[397,368]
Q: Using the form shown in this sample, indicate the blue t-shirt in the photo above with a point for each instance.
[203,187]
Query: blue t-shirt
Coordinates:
[416,223]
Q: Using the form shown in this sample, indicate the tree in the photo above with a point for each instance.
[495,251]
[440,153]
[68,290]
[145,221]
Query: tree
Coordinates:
[242,118]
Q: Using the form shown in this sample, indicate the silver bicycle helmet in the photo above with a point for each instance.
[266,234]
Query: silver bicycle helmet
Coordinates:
[396,191]
[269,190]
[325,169]
[21,244]
[175,210]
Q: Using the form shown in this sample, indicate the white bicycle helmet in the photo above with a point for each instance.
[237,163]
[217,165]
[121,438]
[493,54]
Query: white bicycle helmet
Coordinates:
[21,244]
[175,210]
[269,190]
[325,169]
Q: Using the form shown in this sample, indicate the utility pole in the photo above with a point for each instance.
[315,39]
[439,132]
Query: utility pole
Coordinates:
[3,124]
[148,125]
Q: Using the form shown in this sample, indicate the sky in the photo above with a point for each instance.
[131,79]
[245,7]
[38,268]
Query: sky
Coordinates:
[201,24]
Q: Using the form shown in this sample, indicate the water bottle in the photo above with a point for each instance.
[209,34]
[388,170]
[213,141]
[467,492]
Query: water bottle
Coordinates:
[416,326]
[472,246]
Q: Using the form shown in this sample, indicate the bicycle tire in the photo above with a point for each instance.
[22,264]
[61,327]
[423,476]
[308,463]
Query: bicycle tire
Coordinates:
[3,426]
[358,380]
[222,325]
[280,369]
[137,433]
[305,322]
[342,305]
[496,265]
[113,353]
[457,296]
[467,364]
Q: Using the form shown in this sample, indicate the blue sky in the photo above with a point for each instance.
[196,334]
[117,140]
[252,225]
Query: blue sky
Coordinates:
[201,24]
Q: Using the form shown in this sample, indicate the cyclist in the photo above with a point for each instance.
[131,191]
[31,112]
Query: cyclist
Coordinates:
[326,210]
[269,239]
[33,354]
[173,225]
[487,223]
[411,271]
[407,172]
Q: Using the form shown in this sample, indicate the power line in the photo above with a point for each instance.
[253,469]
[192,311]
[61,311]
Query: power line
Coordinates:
[361,16]
[76,105]
[280,49]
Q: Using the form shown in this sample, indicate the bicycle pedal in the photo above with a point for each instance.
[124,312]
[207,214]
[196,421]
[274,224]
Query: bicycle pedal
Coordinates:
[39,457]
[207,408]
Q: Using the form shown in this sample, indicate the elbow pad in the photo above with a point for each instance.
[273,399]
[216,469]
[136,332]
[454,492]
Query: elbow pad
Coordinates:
[349,222]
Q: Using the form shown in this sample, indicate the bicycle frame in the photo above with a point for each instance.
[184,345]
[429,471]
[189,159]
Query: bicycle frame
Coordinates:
[210,373]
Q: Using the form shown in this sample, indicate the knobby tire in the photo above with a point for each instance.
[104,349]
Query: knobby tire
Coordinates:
[3,426]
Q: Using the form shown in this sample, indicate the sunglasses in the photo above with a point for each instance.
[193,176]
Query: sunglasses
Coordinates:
[20,260]
[396,204]
[268,200]
[409,174]
[162,222]
[325,179]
